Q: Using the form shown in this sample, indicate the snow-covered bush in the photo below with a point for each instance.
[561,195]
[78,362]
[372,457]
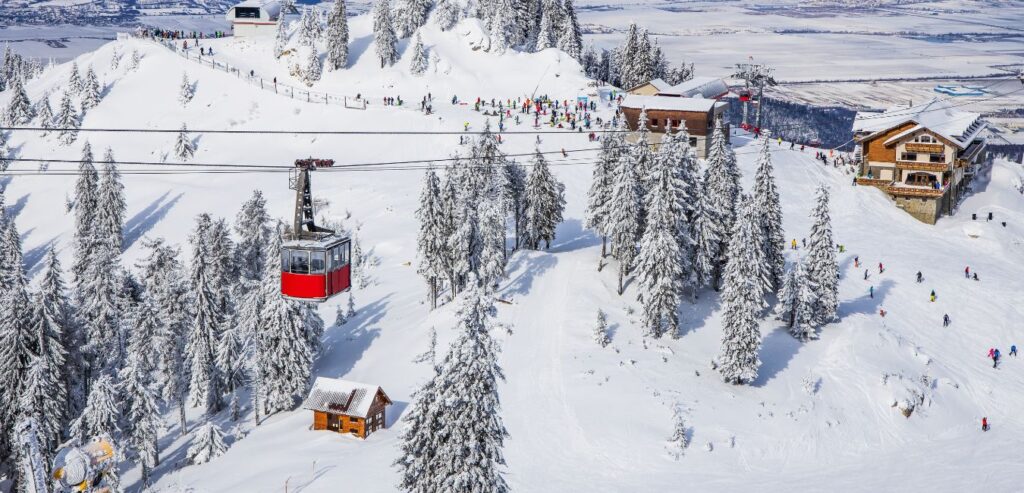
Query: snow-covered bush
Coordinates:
[207,444]
[601,329]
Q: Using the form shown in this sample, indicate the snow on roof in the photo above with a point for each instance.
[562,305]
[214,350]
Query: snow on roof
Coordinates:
[936,115]
[705,87]
[338,396]
[668,103]
[271,7]
[659,85]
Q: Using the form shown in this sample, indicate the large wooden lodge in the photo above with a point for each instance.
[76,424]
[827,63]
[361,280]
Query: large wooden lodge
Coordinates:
[922,155]
[342,406]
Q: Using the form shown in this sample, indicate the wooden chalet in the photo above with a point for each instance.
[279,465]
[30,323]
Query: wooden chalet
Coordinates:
[347,407]
[670,112]
[922,155]
[697,87]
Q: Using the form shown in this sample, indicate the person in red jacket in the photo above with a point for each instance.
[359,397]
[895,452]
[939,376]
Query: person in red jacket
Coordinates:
[984,424]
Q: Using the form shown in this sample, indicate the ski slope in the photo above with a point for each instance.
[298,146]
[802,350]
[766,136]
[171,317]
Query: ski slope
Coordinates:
[580,417]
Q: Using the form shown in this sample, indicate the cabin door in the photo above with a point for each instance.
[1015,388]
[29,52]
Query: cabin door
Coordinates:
[333,422]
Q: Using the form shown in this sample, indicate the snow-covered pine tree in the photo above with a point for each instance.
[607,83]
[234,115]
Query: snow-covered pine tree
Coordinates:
[590,63]
[742,300]
[18,343]
[602,184]
[337,37]
[313,69]
[492,238]
[231,355]
[547,32]
[143,422]
[205,387]
[207,444]
[101,309]
[339,316]
[164,281]
[350,311]
[503,34]
[601,329]
[59,313]
[45,395]
[102,413]
[678,442]
[766,203]
[110,213]
[545,202]
[447,228]
[44,115]
[420,62]
[115,59]
[797,302]
[410,15]
[417,462]
[430,245]
[515,197]
[468,457]
[643,162]
[385,41]
[87,196]
[252,225]
[643,63]
[663,263]
[90,90]
[67,120]
[570,39]
[75,84]
[659,64]
[707,238]
[19,109]
[822,265]
[689,167]
[721,190]
[184,148]
[285,358]
[627,56]
[187,91]
[681,74]
[447,13]
[135,60]
[281,37]
[308,27]
[624,217]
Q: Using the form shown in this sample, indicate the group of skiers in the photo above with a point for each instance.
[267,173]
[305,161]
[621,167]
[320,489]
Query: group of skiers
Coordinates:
[169,34]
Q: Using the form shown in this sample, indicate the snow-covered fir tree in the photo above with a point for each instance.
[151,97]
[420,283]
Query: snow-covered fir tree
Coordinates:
[45,395]
[410,15]
[18,342]
[503,34]
[63,353]
[142,415]
[281,37]
[87,197]
[797,302]
[75,84]
[337,37]
[545,202]
[766,202]
[313,68]
[492,238]
[742,299]
[417,462]
[447,13]
[822,265]
[659,64]
[602,184]
[627,54]
[350,307]
[468,456]
[102,413]
[570,39]
[514,196]
[548,30]
[19,110]
[308,27]
[601,329]
[101,310]
[110,213]
[67,120]
[678,442]
[448,225]
[721,190]
[385,41]
[205,386]
[187,90]
[285,357]
[115,59]
[643,161]
[134,61]
[681,74]
[689,167]
[431,247]
[663,262]
[90,90]
[623,227]
[339,316]
[252,225]
[207,444]
[44,114]
[420,62]
[184,148]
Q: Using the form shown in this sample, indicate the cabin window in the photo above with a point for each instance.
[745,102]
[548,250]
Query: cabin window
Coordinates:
[317,262]
[247,13]
[693,141]
[925,139]
[909,156]
[285,261]
[654,122]
[299,262]
[937,158]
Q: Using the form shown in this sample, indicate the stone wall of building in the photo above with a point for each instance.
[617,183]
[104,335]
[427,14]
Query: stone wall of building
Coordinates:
[924,209]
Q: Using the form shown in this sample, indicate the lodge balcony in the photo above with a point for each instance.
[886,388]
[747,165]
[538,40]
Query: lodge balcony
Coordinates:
[915,191]
[919,166]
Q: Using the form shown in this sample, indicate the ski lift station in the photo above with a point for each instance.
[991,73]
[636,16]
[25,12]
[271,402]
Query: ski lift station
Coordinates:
[254,18]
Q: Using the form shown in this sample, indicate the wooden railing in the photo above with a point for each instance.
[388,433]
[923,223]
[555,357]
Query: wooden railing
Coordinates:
[873,182]
[917,165]
[915,192]
[926,148]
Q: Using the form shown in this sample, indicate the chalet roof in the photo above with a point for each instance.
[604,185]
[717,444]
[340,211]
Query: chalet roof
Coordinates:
[338,396]
[668,103]
[936,115]
[659,85]
[271,7]
[698,87]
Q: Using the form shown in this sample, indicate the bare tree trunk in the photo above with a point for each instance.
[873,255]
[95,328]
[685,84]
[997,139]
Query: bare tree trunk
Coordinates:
[181,416]
[620,282]
[604,244]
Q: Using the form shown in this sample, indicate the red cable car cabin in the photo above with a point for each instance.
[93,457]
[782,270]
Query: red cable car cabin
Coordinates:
[315,270]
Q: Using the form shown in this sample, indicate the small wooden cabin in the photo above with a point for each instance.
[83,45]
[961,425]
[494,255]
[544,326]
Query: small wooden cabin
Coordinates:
[347,407]
[669,112]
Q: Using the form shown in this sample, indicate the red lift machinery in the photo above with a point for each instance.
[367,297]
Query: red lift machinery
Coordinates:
[315,261]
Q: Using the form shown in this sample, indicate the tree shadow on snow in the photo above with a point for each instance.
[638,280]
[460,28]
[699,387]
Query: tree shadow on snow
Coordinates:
[694,314]
[33,259]
[344,346]
[536,266]
[14,210]
[777,350]
[576,237]
[866,305]
[144,221]
[357,47]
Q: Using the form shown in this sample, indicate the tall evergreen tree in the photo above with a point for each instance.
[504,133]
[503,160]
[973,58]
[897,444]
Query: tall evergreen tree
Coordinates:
[721,188]
[742,300]
[337,37]
[822,265]
[624,218]
[142,416]
[184,148]
[313,69]
[207,445]
[627,54]
[545,202]
[205,385]
[797,302]
[44,115]
[67,120]
[548,30]
[75,84]
[571,38]
[448,13]
[87,197]
[410,15]
[187,90]
[281,37]
[602,184]
[18,341]
[110,213]
[59,317]
[90,90]
[385,41]
[492,240]
[766,203]
[430,245]
[19,109]
[419,63]
[252,225]
[102,413]
[417,462]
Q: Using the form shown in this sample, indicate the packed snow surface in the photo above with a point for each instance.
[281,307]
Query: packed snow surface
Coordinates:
[822,414]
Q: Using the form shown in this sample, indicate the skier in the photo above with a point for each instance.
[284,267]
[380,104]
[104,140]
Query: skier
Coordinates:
[805,242]
[975,276]
[866,274]
[794,243]
[995,359]
[945,320]
[856,261]
[871,292]
[882,312]
[881,268]
[1013,350]
[933,296]
[984,424]
[991,352]
[967,272]
[919,277]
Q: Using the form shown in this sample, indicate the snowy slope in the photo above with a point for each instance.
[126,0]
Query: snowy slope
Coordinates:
[581,418]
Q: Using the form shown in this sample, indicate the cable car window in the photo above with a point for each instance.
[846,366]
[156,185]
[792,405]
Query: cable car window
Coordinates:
[317,262]
[345,253]
[300,262]
[336,257]
[247,13]
[285,257]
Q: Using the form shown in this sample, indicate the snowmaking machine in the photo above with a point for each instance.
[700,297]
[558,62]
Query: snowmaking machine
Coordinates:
[84,468]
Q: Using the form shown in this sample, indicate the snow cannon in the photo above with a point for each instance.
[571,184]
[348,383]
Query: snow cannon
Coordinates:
[84,468]
[315,261]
